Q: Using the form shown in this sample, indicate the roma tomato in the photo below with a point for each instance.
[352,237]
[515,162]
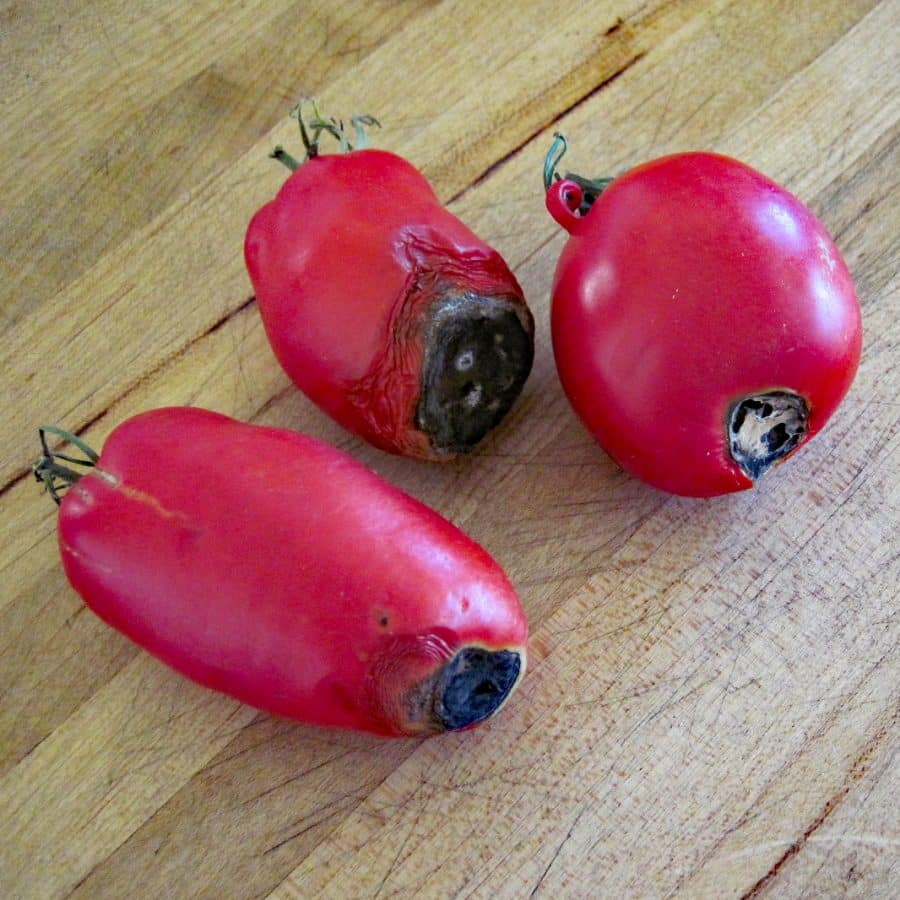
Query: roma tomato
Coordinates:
[704,324]
[272,567]
[383,307]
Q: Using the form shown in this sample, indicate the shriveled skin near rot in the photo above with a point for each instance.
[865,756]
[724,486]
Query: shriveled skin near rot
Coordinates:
[356,265]
[272,567]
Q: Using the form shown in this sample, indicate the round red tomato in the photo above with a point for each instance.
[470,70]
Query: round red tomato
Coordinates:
[704,324]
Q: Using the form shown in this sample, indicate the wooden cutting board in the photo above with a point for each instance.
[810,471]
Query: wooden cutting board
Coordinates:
[712,707]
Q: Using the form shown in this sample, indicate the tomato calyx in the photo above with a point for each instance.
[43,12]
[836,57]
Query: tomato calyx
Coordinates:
[765,428]
[56,477]
[313,128]
[478,354]
[578,201]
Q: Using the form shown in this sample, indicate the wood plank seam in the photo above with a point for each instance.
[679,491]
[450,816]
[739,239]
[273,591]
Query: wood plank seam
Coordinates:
[854,773]
[541,129]
[868,749]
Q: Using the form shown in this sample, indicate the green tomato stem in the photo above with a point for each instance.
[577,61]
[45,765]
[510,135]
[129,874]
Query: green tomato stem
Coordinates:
[285,158]
[591,188]
[55,477]
[311,130]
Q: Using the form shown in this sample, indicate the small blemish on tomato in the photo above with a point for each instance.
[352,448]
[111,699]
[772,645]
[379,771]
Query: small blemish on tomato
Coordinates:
[383,621]
[464,604]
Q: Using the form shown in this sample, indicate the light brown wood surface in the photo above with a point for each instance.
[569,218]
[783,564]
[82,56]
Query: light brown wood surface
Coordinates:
[712,707]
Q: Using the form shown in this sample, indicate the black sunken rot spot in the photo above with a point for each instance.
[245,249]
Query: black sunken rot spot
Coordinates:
[765,428]
[478,354]
[473,686]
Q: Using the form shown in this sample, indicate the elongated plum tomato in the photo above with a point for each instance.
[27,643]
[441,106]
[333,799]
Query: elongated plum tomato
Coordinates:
[273,567]
[385,309]
[704,324]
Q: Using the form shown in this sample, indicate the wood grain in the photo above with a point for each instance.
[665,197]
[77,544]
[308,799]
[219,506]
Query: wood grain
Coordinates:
[712,706]
[229,74]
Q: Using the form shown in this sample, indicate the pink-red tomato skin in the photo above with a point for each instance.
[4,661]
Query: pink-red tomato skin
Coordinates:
[693,282]
[272,567]
[345,262]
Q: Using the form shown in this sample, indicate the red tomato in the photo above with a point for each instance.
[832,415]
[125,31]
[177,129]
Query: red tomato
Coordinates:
[275,568]
[387,311]
[704,324]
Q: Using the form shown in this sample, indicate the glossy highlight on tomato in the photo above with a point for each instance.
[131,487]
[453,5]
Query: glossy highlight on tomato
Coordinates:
[704,324]
[273,567]
[383,307]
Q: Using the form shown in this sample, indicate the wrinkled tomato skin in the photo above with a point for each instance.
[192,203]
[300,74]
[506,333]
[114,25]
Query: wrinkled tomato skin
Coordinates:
[272,567]
[693,282]
[345,261]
